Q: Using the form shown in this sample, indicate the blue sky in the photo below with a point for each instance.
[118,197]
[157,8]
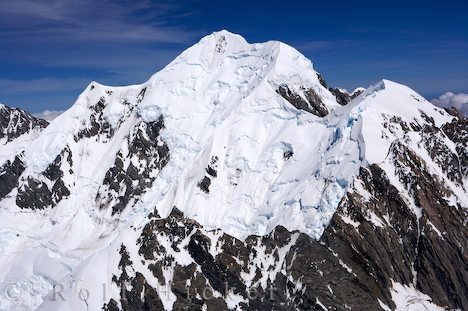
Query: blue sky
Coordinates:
[50,50]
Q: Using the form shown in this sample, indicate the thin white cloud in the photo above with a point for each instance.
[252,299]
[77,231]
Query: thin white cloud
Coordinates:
[93,21]
[114,42]
[48,115]
[449,99]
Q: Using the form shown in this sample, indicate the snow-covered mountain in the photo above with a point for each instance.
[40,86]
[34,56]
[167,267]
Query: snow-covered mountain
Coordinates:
[235,179]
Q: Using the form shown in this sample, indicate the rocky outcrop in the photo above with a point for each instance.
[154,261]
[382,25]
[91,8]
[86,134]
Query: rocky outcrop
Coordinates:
[98,125]
[135,168]
[9,175]
[457,132]
[16,122]
[342,97]
[310,101]
[211,173]
[49,189]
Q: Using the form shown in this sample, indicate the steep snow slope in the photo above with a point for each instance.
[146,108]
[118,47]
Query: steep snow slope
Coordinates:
[218,100]
[240,137]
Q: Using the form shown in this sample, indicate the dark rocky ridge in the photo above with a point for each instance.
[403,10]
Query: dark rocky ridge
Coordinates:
[311,103]
[341,97]
[16,122]
[406,249]
[457,132]
[344,98]
[305,259]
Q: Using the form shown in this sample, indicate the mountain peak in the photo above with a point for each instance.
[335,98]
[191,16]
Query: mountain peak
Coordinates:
[223,41]
[229,36]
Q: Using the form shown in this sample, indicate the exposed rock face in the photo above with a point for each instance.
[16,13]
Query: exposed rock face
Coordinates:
[309,102]
[9,175]
[140,296]
[98,125]
[322,80]
[417,240]
[457,132]
[281,271]
[46,190]
[357,92]
[135,167]
[16,122]
[341,97]
[211,173]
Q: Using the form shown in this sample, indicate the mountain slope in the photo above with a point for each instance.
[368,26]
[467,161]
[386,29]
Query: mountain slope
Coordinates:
[232,168]
[17,129]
